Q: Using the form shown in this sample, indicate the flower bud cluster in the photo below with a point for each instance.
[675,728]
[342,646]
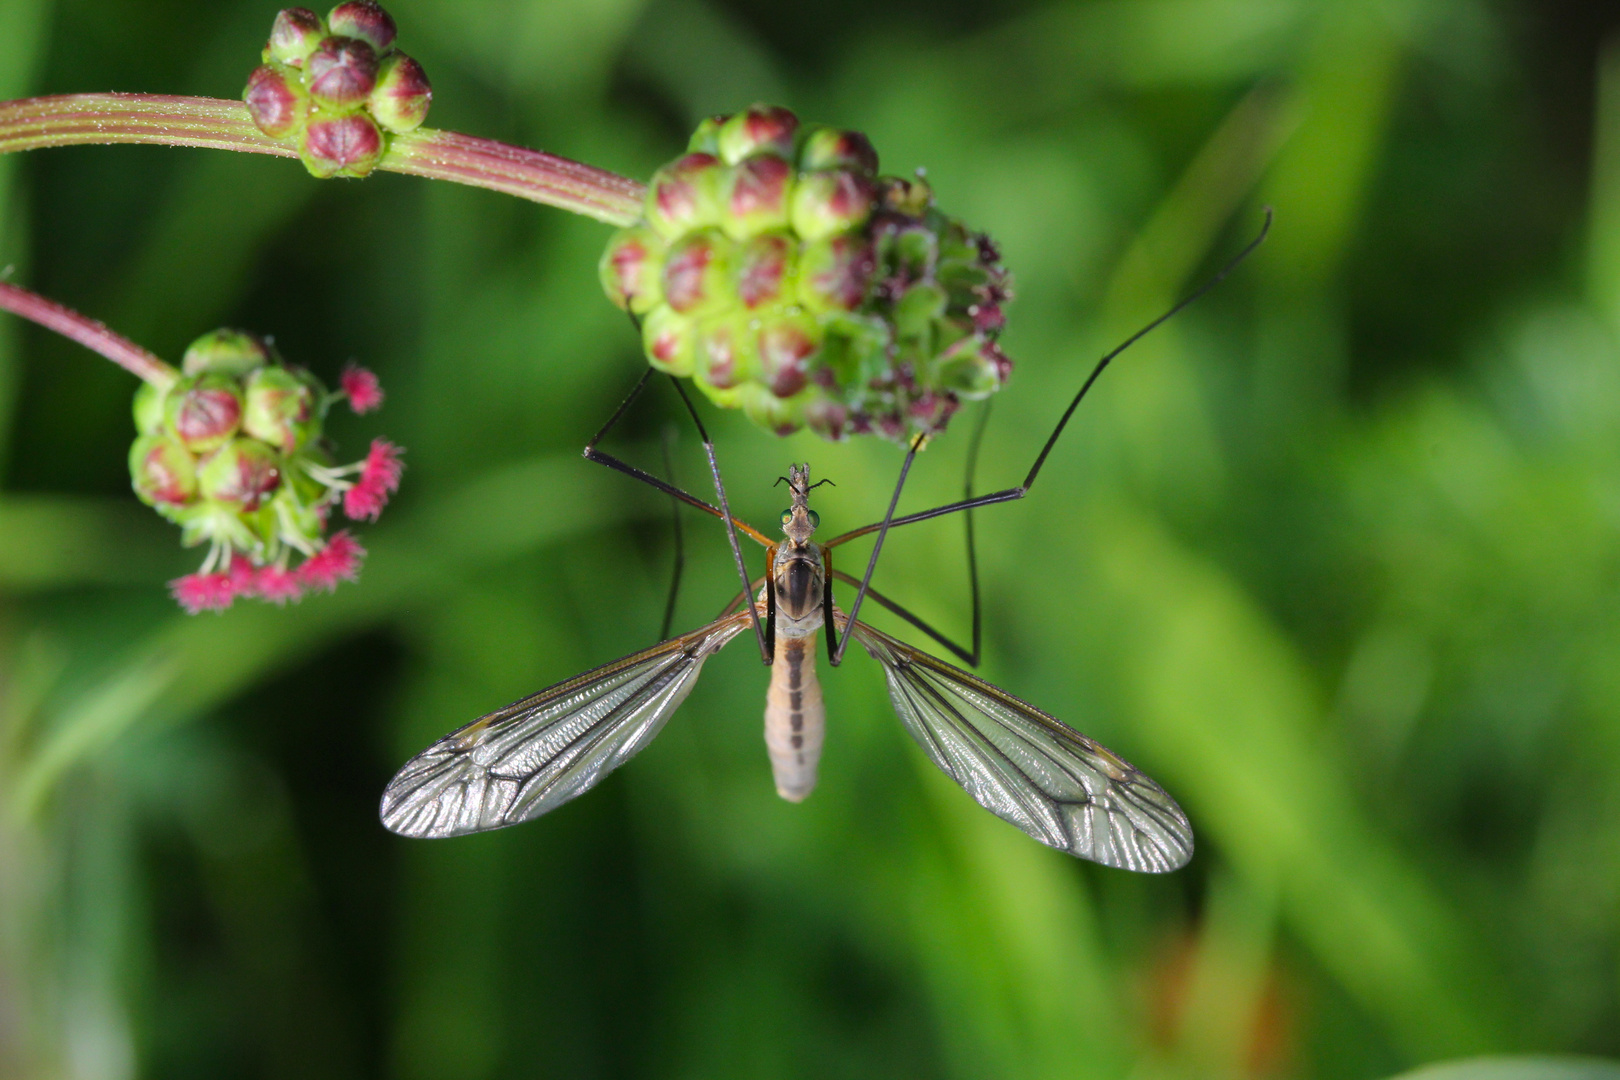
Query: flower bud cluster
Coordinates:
[338,87]
[776,268]
[233,453]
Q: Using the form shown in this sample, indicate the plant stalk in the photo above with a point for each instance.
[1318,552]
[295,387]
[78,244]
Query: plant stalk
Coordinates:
[88,332]
[76,119]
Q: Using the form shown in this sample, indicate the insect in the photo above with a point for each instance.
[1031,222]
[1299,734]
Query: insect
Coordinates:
[1018,762]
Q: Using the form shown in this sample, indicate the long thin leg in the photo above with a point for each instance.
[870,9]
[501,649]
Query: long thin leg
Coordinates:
[915,620]
[827,626]
[968,656]
[1020,491]
[591,453]
[675,528]
[972,657]
[725,515]
[737,601]
[871,564]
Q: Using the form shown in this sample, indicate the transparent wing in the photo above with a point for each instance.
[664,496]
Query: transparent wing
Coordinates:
[1030,768]
[534,755]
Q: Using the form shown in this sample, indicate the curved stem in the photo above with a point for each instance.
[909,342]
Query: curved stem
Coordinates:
[87,332]
[74,119]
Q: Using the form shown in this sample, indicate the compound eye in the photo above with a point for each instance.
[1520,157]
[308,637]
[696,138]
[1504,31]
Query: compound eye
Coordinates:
[787,516]
[815,519]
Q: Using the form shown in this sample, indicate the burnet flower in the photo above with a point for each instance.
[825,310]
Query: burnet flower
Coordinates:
[337,86]
[232,451]
[775,268]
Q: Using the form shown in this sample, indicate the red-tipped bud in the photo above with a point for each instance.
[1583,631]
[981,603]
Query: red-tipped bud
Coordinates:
[364,391]
[831,202]
[760,129]
[800,287]
[788,345]
[279,409]
[695,273]
[685,195]
[706,139]
[345,146]
[727,354]
[835,273]
[364,20]
[242,473]
[756,199]
[827,418]
[632,269]
[670,340]
[276,103]
[777,415]
[162,471]
[830,148]
[764,270]
[342,72]
[402,95]
[149,408]
[203,412]
[293,36]
[911,197]
[226,352]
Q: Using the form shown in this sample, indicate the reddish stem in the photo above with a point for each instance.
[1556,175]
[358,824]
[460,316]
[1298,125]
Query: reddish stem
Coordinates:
[87,332]
[72,119]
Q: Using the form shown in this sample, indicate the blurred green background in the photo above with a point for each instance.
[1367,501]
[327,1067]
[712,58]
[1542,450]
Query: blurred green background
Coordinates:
[1335,557]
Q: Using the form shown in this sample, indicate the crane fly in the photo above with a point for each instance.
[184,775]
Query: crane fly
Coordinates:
[1021,764]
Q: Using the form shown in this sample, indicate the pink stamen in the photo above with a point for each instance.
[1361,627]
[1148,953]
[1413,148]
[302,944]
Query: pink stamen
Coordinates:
[365,393]
[338,561]
[277,584]
[204,592]
[378,479]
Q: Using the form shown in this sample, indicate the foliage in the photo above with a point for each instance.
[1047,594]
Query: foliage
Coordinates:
[1333,556]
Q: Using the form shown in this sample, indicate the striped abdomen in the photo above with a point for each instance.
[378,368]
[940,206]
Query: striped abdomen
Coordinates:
[794,717]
